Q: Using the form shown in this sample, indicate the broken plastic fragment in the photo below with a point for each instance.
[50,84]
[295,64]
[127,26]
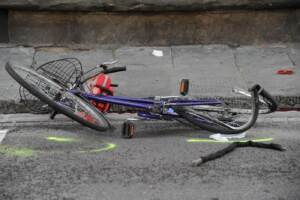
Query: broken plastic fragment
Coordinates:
[157,53]
[285,71]
[3,133]
[200,140]
[218,137]
[225,138]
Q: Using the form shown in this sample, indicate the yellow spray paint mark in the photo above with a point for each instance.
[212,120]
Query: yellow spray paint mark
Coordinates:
[14,151]
[27,152]
[108,147]
[198,140]
[61,139]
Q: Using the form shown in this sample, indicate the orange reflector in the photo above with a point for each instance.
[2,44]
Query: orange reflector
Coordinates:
[184,87]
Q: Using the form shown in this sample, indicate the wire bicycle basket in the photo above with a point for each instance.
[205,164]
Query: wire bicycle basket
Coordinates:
[62,71]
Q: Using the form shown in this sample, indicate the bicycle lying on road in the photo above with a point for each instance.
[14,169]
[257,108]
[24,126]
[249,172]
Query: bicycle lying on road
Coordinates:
[86,97]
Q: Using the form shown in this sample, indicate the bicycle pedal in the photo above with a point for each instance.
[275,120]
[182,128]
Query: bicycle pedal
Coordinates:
[128,130]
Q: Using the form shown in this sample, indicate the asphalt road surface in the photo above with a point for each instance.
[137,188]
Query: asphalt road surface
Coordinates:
[57,161]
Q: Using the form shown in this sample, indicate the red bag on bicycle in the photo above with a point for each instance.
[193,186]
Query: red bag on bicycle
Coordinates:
[100,85]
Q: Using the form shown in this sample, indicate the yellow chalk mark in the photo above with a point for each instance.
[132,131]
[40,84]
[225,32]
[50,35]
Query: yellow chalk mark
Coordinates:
[198,140]
[61,139]
[14,151]
[27,152]
[108,147]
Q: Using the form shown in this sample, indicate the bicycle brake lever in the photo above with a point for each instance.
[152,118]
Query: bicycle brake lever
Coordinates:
[245,93]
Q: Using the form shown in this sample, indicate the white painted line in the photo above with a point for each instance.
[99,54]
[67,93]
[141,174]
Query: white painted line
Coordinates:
[3,134]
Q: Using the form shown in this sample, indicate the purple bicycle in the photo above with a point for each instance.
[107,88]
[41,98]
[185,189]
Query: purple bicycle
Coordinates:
[87,96]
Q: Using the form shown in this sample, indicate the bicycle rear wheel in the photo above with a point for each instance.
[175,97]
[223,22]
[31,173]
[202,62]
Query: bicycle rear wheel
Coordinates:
[58,97]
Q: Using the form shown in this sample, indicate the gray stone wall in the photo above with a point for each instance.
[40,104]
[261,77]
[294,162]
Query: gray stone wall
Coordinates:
[181,28]
[4,26]
[146,5]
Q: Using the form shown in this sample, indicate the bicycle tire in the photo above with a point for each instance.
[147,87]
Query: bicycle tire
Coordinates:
[222,121]
[211,127]
[102,123]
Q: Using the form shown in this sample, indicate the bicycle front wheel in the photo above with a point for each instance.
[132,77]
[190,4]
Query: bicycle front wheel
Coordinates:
[224,118]
[58,97]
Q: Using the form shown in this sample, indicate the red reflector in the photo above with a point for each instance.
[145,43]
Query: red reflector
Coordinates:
[285,71]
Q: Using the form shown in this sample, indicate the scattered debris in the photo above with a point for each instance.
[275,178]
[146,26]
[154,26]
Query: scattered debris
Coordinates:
[157,53]
[232,147]
[205,140]
[285,71]
[218,137]
[225,138]
[3,134]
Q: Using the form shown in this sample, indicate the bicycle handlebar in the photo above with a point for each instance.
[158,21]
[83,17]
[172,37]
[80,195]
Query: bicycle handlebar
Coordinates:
[267,97]
[270,100]
[114,69]
[104,71]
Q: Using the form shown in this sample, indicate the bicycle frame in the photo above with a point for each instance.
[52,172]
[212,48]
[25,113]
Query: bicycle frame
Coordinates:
[152,108]
[166,109]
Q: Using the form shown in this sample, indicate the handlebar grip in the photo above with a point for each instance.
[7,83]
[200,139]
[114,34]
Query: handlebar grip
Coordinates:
[270,100]
[114,85]
[268,97]
[114,69]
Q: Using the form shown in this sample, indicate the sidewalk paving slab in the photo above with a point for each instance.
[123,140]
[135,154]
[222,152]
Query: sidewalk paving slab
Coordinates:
[20,55]
[259,65]
[294,54]
[212,69]
[88,57]
[146,75]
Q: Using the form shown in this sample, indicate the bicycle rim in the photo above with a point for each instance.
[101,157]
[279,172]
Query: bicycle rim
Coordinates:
[227,118]
[59,98]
